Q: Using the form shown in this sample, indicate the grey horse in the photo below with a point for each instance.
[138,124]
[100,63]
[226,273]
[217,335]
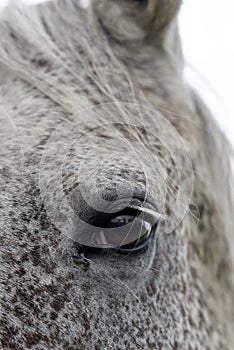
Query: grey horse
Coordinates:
[116,201]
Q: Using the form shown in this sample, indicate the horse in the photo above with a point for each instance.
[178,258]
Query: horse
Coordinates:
[116,194]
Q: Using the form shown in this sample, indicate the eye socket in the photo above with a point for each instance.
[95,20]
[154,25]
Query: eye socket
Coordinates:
[126,231]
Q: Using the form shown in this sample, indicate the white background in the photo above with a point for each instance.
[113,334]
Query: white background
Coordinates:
[207,30]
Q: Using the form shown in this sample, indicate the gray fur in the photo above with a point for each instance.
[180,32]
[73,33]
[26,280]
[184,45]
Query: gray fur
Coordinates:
[123,57]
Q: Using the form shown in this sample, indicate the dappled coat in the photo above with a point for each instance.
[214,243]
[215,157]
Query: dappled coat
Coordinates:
[98,131]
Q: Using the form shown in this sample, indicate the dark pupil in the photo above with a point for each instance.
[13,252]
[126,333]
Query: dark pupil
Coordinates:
[124,231]
[121,220]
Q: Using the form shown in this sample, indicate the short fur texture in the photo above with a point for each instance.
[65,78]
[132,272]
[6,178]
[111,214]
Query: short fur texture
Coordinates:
[102,92]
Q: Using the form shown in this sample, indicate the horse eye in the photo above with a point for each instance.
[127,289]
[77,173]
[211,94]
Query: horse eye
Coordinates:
[128,231]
